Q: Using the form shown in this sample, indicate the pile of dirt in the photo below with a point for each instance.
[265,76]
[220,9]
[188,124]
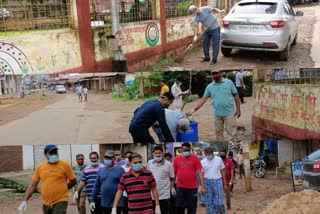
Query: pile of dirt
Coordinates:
[304,202]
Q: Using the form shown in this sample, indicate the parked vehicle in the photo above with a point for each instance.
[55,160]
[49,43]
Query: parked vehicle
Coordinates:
[260,168]
[260,25]
[311,171]
[60,89]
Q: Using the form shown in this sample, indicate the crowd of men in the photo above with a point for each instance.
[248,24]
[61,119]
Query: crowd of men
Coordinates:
[117,185]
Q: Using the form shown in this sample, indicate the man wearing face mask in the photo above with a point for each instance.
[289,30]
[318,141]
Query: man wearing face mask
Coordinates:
[107,180]
[178,93]
[126,167]
[223,95]
[228,170]
[138,183]
[146,115]
[54,186]
[88,180]
[186,167]
[162,171]
[214,178]
[78,170]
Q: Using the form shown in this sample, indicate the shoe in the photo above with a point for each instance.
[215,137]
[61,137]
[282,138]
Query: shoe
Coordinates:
[228,208]
[202,204]
[213,63]
[205,60]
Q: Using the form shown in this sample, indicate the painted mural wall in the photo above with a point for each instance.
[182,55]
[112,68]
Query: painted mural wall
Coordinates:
[296,106]
[44,53]
[179,28]
[134,36]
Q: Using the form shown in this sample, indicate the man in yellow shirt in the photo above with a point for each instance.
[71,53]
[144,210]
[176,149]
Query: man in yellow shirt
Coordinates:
[56,178]
[164,87]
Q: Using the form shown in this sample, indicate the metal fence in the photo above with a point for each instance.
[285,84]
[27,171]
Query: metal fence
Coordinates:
[177,8]
[23,15]
[129,11]
[290,76]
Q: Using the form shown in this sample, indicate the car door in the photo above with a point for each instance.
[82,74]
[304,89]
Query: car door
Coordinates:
[291,20]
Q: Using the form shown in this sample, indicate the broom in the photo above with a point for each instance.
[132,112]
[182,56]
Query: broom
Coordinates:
[190,80]
[180,57]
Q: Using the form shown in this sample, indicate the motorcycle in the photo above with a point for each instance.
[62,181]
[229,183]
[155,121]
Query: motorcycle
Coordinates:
[260,168]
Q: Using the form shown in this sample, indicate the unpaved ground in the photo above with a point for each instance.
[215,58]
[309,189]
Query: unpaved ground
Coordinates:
[265,191]
[300,53]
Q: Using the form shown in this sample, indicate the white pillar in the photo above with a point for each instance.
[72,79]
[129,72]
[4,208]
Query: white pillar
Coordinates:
[0,87]
[13,84]
[5,85]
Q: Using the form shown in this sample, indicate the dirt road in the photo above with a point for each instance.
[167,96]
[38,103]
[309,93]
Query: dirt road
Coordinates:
[101,120]
[300,53]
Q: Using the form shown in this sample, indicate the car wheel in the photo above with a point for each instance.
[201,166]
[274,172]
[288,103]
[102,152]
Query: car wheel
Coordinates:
[295,40]
[284,55]
[226,52]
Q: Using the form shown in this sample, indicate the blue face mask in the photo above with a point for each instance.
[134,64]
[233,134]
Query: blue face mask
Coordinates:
[53,158]
[108,162]
[209,157]
[186,154]
[137,167]
[126,160]
[158,158]
[94,163]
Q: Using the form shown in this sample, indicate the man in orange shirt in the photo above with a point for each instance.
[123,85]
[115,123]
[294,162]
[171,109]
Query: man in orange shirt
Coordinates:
[164,87]
[57,177]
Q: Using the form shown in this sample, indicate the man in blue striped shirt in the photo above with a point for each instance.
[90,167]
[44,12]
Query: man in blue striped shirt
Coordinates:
[88,179]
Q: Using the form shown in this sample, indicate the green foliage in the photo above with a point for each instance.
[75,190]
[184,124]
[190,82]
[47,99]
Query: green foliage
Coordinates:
[162,63]
[183,7]
[18,187]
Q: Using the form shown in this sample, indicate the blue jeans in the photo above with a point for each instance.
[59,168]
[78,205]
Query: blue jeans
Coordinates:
[214,37]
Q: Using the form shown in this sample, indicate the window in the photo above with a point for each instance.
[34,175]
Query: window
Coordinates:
[255,8]
[177,8]
[129,11]
[288,9]
[34,14]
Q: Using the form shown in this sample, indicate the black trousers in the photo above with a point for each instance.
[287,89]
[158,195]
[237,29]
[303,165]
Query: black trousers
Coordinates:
[98,209]
[240,93]
[164,206]
[108,210]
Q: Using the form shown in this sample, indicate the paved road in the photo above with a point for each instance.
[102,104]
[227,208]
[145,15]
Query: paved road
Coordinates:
[64,122]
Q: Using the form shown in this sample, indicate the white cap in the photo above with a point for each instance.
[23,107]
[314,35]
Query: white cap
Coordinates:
[192,8]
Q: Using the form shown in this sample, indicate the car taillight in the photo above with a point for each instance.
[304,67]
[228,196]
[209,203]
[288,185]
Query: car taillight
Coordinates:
[277,23]
[225,23]
[316,166]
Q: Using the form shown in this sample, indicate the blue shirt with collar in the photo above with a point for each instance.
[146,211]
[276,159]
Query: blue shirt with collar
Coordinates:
[221,95]
[206,18]
[146,115]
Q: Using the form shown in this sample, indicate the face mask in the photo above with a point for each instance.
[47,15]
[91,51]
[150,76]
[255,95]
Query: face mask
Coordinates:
[142,1]
[94,163]
[209,157]
[158,158]
[53,158]
[126,160]
[108,162]
[186,154]
[222,156]
[137,167]
[216,78]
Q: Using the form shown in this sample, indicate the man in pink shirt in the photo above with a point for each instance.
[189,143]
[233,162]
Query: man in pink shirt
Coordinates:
[186,167]
[228,170]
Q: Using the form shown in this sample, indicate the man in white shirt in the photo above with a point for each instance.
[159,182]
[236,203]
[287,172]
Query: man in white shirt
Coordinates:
[163,173]
[177,93]
[240,84]
[213,169]
[240,163]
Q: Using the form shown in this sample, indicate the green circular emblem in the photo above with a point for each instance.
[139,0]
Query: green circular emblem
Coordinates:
[152,34]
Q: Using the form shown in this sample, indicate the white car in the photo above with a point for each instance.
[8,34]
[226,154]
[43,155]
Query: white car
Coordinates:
[263,25]
[60,89]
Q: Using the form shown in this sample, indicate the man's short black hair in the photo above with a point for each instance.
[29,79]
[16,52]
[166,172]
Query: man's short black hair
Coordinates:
[94,153]
[134,155]
[158,148]
[230,153]
[168,155]
[186,144]
[223,150]
[168,95]
[163,81]
[127,152]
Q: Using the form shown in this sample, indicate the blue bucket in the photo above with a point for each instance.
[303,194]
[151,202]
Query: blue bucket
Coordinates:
[189,136]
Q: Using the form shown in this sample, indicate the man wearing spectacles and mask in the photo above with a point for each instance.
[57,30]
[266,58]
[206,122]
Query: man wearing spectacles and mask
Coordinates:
[146,115]
[54,185]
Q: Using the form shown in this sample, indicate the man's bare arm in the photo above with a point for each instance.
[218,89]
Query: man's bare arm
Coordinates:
[32,186]
[117,198]
[80,186]
[155,196]
[201,102]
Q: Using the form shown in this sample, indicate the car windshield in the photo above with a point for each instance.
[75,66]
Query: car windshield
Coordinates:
[255,8]
[60,86]
[314,156]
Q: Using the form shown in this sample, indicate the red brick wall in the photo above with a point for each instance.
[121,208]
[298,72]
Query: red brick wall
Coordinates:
[11,158]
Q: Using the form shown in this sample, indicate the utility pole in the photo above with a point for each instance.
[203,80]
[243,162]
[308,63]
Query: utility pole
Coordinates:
[246,165]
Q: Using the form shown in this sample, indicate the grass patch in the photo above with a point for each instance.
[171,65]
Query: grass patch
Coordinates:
[44,97]
[126,98]
[18,187]
[13,195]
[162,63]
